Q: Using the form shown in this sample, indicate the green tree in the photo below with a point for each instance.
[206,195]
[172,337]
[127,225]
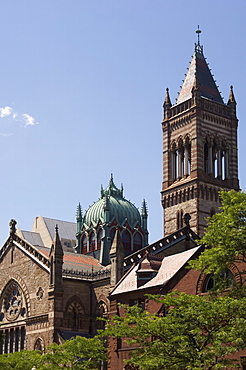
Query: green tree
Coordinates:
[19,360]
[78,354]
[225,239]
[198,332]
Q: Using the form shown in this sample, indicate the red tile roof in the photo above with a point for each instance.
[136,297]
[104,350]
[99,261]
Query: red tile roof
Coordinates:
[76,261]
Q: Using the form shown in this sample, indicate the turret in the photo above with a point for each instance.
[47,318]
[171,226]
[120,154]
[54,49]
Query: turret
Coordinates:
[232,102]
[56,262]
[117,259]
[167,104]
[55,293]
[144,217]
[79,219]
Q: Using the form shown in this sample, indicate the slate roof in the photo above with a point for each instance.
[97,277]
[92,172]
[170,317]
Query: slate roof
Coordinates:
[169,267]
[199,70]
[32,238]
[67,230]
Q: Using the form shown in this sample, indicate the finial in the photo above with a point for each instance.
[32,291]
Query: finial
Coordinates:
[12,229]
[198,31]
[56,228]
[198,46]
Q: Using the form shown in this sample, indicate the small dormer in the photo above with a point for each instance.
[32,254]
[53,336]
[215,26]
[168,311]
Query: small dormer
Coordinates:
[148,269]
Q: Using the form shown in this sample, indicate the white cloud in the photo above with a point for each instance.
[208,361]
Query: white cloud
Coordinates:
[5,135]
[29,120]
[6,111]
[19,117]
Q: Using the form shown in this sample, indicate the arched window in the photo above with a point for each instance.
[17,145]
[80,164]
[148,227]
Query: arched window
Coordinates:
[39,345]
[224,164]
[126,240]
[174,162]
[84,244]
[74,315]
[13,303]
[102,313]
[180,220]
[112,234]
[187,158]
[13,308]
[180,159]
[210,281]
[137,241]
[215,162]
[99,238]
[206,157]
[92,241]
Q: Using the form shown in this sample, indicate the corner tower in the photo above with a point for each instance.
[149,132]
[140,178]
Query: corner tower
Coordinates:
[199,148]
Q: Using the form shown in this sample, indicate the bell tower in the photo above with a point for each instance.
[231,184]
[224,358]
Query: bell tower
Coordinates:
[199,148]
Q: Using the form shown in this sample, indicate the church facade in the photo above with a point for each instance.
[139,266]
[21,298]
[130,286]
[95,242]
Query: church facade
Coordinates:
[58,278]
[55,279]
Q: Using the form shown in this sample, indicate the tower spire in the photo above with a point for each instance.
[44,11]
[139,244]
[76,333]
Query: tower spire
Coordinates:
[199,73]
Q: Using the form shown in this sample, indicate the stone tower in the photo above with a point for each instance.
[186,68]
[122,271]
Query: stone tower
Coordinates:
[199,148]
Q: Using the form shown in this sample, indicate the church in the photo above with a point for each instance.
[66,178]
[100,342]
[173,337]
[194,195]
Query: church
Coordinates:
[58,278]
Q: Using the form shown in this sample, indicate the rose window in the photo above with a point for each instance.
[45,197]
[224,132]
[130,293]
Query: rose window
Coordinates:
[12,302]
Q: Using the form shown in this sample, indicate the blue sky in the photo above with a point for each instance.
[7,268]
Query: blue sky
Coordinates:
[84,83]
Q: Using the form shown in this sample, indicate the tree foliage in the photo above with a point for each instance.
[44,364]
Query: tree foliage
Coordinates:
[198,332]
[78,353]
[226,234]
[19,360]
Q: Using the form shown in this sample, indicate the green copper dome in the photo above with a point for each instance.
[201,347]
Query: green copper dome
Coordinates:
[112,205]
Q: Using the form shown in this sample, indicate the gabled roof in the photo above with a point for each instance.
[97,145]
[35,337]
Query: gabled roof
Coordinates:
[31,237]
[199,75]
[45,227]
[27,248]
[169,267]
[171,244]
